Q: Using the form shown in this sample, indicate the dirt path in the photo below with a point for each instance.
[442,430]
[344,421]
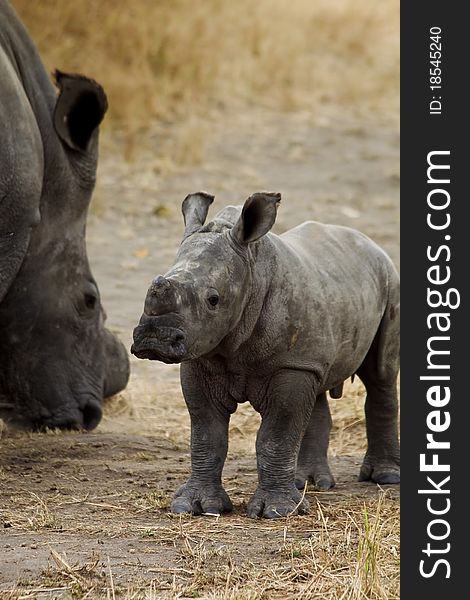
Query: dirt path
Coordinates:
[86,514]
[107,495]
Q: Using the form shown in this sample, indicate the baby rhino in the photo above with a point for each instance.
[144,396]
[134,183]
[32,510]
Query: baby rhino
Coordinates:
[277,321]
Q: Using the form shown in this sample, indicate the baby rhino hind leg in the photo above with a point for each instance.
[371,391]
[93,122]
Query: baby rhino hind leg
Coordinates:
[312,462]
[379,373]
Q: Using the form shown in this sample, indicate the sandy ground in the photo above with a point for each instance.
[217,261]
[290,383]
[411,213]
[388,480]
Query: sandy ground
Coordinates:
[86,515]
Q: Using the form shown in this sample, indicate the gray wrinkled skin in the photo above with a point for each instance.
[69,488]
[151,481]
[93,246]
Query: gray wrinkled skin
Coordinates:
[277,321]
[57,360]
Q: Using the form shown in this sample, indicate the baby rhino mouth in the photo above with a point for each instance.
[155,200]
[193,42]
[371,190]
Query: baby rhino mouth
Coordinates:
[166,344]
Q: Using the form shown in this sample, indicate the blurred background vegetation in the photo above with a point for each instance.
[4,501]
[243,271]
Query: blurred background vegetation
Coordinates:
[170,59]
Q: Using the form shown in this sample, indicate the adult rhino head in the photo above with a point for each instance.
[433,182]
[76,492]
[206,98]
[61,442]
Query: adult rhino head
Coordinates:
[57,360]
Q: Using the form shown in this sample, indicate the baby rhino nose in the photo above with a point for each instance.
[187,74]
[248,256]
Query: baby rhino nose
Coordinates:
[161,298]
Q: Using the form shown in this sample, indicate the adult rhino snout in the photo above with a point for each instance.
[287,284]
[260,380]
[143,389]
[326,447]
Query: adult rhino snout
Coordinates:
[86,417]
[117,367]
[91,416]
[161,298]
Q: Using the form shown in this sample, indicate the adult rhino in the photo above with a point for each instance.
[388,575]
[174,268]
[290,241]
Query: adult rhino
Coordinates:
[278,321]
[57,360]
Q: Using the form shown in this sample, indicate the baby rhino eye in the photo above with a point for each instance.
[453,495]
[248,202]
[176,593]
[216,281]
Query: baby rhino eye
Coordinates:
[213,298]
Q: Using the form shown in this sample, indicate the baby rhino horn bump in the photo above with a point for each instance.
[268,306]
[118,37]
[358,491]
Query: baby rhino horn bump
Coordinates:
[161,298]
[160,284]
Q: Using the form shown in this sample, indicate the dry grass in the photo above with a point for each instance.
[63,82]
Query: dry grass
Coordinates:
[161,59]
[346,548]
[33,514]
[340,551]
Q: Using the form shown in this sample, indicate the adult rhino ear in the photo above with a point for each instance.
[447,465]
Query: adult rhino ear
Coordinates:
[257,218]
[195,208]
[79,110]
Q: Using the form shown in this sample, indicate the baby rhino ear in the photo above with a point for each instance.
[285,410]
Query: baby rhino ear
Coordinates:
[257,218]
[195,208]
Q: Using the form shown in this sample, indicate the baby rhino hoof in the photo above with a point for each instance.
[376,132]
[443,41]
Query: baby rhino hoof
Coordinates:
[272,505]
[322,481]
[199,499]
[381,472]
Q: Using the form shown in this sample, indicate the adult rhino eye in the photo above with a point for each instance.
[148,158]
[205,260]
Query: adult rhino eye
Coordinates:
[90,301]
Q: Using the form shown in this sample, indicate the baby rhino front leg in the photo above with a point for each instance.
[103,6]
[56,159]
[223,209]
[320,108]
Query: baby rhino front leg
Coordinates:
[285,414]
[203,492]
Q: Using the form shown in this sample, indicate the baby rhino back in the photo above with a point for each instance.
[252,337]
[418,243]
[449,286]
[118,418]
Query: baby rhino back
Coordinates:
[334,249]
[342,283]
